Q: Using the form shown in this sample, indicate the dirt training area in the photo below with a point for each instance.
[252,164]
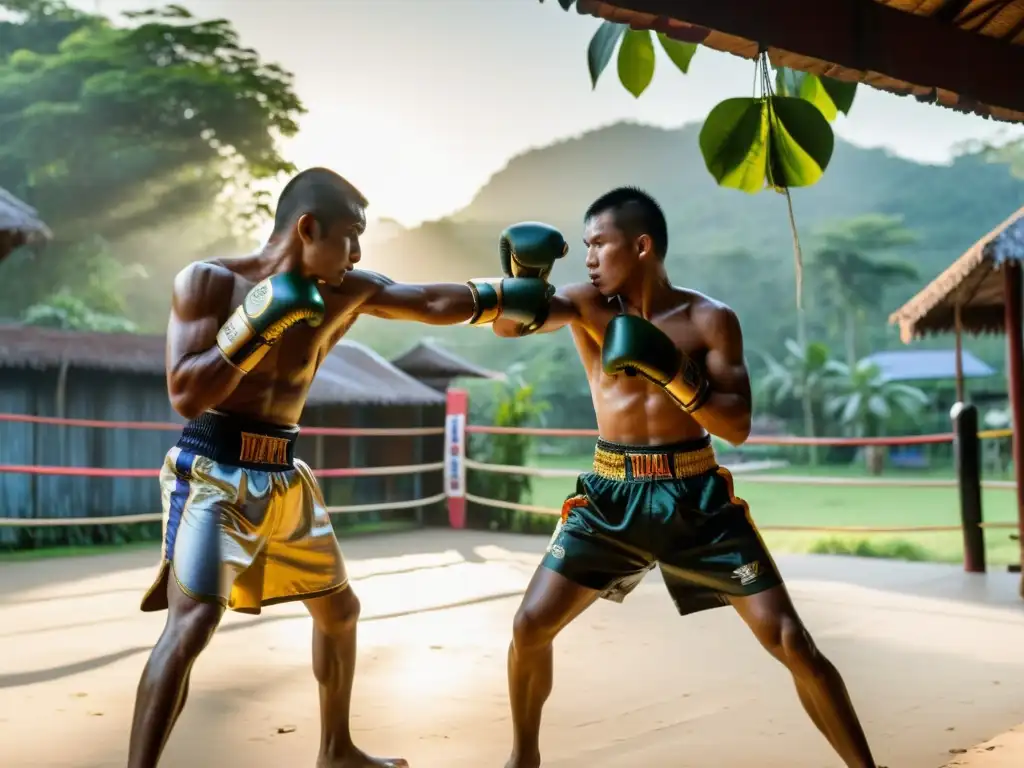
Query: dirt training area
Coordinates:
[931,656]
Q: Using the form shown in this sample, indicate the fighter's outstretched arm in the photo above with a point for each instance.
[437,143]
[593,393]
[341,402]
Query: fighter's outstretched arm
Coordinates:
[198,374]
[431,303]
[478,302]
[563,309]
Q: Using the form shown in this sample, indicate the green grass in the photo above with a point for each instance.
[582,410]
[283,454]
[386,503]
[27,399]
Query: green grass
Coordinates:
[778,505]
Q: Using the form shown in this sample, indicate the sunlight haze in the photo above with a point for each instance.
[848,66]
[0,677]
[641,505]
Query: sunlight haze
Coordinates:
[419,102]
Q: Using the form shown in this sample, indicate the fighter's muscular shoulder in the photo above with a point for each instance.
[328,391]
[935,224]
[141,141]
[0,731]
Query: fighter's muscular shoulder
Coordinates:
[714,320]
[587,302]
[203,288]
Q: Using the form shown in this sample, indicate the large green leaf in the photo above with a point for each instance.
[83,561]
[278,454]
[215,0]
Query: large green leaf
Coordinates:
[800,143]
[813,90]
[734,142]
[841,92]
[829,95]
[602,46]
[787,81]
[681,53]
[636,61]
[779,139]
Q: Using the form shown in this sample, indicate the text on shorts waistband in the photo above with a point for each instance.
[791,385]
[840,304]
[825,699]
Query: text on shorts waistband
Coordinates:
[241,442]
[635,463]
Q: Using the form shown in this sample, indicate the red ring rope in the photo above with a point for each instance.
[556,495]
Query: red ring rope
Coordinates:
[944,437]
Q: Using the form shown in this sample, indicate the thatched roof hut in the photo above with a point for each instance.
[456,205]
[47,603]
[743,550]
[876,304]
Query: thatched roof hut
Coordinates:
[973,284]
[967,55]
[19,224]
[981,292]
[436,367]
[352,374]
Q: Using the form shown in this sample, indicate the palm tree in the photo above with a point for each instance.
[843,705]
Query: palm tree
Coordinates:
[856,281]
[803,375]
[864,401]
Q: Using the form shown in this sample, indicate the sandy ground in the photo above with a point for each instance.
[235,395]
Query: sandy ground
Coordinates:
[932,658]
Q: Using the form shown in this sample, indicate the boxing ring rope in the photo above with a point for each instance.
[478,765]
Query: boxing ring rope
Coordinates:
[152,472]
[753,476]
[478,466]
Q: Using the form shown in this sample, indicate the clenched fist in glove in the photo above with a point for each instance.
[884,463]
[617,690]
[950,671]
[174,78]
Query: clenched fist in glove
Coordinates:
[633,345]
[530,249]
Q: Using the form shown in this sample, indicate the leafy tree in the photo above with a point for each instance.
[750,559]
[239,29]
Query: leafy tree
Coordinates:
[116,132]
[804,375]
[68,312]
[864,401]
[516,407]
[856,282]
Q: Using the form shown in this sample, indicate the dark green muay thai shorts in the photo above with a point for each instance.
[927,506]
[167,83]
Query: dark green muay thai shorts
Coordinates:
[671,506]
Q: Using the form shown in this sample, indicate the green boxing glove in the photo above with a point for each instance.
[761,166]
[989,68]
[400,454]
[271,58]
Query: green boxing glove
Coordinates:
[272,306]
[530,249]
[524,300]
[634,345]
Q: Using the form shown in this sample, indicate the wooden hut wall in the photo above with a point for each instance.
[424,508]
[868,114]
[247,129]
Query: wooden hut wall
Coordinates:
[87,395]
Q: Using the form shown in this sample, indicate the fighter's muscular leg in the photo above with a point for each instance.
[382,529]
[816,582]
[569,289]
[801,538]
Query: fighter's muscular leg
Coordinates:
[334,660]
[164,685]
[775,623]
[550,603]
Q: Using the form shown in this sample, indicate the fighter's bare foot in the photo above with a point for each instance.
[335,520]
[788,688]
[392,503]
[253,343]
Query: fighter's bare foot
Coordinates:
[524,760]
[356,758]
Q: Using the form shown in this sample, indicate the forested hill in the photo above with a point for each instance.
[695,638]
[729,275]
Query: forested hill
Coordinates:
[949,207]
[733,245]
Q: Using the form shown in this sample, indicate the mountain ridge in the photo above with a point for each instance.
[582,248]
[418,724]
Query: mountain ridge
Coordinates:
[949,206]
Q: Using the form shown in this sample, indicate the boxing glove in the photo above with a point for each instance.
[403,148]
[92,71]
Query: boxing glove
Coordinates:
[523,300]
[530,249]
[269,309]
[633,345]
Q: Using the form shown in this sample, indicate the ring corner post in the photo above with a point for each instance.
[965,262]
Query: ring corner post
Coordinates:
[967,457]
[455,456]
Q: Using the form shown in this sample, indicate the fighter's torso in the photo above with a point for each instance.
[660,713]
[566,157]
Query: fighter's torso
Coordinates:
[630,409]
[275,391]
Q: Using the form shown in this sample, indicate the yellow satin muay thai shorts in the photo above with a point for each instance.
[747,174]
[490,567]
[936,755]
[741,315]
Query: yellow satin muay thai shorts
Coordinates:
[244,522]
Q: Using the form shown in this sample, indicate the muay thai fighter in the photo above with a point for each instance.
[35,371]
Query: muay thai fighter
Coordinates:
[665,366]
[244,521]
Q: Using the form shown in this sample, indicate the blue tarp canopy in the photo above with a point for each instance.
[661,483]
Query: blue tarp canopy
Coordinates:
[927,364]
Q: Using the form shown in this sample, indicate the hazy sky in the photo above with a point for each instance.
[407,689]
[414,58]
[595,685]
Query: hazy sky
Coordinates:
[419,102]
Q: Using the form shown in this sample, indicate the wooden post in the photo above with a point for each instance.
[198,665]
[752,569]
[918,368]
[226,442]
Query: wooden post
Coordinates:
[958,326]
[967,454]
[455,456]
[1015,367]
[417,458]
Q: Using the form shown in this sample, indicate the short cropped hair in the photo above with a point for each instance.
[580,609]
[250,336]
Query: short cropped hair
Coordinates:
[636,213]
[321,193]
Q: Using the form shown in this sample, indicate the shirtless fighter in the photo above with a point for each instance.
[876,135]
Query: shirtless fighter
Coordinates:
[244,520]
[666,367]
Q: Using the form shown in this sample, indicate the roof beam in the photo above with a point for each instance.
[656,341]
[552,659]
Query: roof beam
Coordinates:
[867,36]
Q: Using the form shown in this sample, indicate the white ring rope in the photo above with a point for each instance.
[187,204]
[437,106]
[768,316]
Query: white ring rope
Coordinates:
[512,505]
[752,475]
[156,517]
[387,505]
[790,528]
